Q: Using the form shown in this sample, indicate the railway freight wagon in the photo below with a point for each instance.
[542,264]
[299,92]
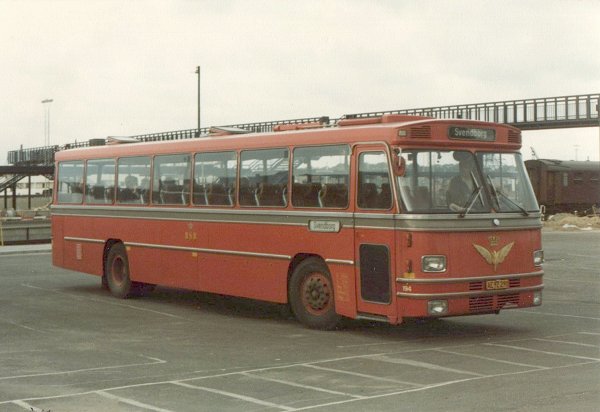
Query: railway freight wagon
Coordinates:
[565,186]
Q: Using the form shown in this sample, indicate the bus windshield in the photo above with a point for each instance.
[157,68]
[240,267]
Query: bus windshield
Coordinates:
[437,181]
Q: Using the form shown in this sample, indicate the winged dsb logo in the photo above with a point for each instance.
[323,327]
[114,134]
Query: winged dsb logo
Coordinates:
[494,257]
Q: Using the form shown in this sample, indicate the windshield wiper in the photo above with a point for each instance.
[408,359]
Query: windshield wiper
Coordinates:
[493,190]
[471,201]
[512,202]
[498,194]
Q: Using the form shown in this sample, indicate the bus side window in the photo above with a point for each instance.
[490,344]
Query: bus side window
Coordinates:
[70,182]
[374,181]
[320,176]
[99,178]
[214,179]
[264,178]
[133,180]
[170,174]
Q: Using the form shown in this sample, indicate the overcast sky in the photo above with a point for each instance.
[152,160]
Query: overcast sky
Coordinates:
[127,67]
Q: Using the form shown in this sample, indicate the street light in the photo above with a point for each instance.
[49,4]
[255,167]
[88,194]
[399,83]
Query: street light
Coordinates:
[198,72]
[46,103]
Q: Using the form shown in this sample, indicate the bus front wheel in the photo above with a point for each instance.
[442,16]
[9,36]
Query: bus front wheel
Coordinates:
[311,295]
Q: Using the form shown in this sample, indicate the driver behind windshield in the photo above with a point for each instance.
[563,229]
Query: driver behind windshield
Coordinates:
[462,185]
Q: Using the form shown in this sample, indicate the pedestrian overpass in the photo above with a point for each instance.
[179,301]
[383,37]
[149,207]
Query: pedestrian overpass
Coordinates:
[526,114]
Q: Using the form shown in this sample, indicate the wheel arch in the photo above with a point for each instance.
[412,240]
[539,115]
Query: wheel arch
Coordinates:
[299,258]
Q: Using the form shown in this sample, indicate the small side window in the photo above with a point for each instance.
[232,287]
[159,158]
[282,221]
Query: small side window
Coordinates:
[320,177]
[215,175]
[264,178]
[374,190]
[171,182]
[70,182]
[133,180]
[100,181]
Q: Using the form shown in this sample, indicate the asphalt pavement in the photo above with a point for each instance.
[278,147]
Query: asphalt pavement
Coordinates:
[67,345]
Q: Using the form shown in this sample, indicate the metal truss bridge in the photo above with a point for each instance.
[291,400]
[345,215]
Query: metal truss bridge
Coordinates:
[526,114]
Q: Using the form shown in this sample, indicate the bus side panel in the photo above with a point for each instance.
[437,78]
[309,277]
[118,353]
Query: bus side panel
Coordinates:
[244,260]
[344,289]
[80,255]
[57,241]
[263,274]
[149,245]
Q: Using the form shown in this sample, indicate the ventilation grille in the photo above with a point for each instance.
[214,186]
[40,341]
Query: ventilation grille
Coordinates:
[514,137]
[481,304]
[504,300]
[420,132]
[476,286]
[492,303]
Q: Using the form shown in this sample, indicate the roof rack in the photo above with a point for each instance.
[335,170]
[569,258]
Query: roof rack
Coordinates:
[225,130]
[120,140]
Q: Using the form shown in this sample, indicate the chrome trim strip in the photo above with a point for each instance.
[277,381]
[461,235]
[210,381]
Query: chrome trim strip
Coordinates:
[340,262]
[301,218]
[470,223]
[83,239]
[186,248]
[455,295]
[471,279]
[372,317]
[212,251]
[205,210]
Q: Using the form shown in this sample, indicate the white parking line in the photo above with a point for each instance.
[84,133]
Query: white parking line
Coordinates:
[542,351]
[234,395]
[155,362]
[132,402]
[103,301]
[589,333]
[470,355]
[27,406]
[425,365]
[362,375]
[23,326]
[299,385]
[587,345]
[433,386]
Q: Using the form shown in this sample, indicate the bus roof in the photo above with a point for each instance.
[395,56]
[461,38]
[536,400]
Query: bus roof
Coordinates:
[401,130]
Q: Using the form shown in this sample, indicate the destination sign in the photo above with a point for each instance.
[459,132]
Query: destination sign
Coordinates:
[471,133]
[331,226]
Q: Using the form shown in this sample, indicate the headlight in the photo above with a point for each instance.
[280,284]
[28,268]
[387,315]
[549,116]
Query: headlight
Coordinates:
[437,307]
[538,257]
[433,264]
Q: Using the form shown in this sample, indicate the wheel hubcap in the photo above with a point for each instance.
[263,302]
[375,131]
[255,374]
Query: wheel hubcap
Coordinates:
[316,293]
[117,270]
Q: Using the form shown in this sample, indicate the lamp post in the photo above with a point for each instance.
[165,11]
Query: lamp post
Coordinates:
[598,114]
[46,103]
[198,72]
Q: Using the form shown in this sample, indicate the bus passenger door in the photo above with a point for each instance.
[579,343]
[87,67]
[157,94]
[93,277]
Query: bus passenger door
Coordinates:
[374,232]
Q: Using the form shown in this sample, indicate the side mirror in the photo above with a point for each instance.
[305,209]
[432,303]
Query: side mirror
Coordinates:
[399,164]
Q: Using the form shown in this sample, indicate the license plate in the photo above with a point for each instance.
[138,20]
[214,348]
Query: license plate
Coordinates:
[496,284]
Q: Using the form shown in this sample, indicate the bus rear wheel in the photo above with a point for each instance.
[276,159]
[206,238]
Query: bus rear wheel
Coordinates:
[116,273]
[311,295]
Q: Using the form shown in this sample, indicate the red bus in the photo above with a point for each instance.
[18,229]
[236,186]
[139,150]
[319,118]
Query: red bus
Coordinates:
[379,218]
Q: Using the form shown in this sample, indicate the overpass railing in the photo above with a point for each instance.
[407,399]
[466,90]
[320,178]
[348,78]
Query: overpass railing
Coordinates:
[526,114]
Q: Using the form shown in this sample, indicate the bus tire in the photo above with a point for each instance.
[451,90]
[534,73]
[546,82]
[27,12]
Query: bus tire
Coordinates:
[116,271]
[311,295]
[104,282]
